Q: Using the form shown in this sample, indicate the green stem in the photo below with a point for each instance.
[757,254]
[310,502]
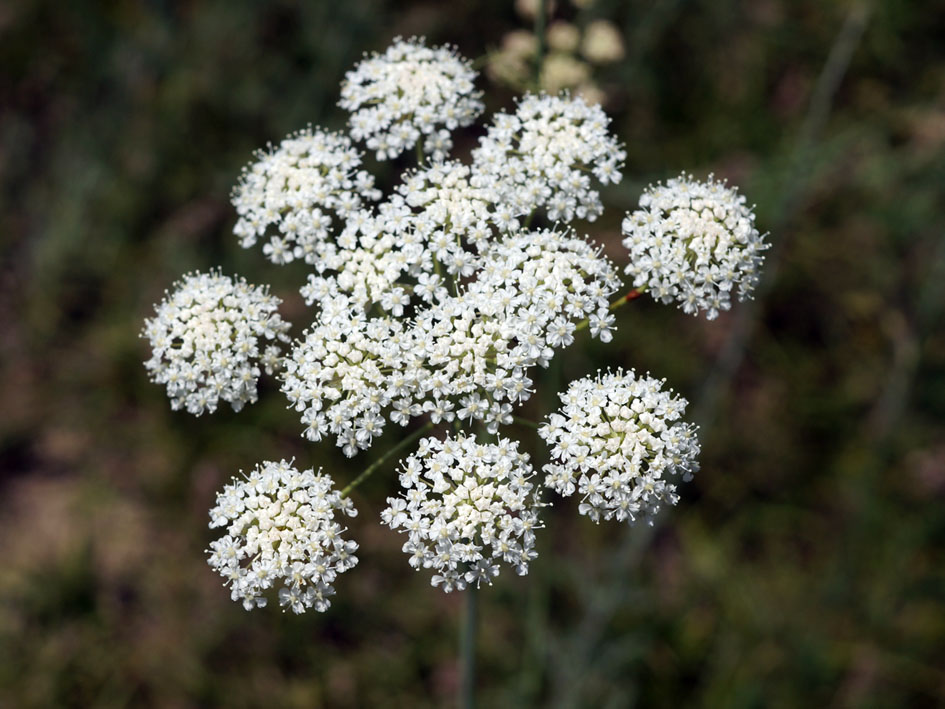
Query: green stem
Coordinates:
[369,471]
[525,422]
[539,41]
[419,152]
[632,295]
[467,650]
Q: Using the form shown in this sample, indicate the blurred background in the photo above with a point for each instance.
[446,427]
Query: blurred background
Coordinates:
[805,565]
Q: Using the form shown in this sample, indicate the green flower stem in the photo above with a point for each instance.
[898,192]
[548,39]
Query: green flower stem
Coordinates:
[368,471]
[632,295]
[525,422]
[540,22]
[467,650]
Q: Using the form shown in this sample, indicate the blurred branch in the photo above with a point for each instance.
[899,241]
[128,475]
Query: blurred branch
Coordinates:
[732,352]
[906,335]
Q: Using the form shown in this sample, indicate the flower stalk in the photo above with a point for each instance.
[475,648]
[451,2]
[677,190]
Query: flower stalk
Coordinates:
[467,698]
[372,468]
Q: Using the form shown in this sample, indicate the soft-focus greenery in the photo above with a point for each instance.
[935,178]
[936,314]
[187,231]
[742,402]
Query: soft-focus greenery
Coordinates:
[806,563]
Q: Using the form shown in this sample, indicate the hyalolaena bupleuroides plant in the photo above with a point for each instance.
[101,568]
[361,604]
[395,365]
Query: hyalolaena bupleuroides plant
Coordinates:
[436,302]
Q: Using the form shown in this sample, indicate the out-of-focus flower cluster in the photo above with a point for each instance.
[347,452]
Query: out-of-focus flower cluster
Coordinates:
[466,508]
[280,528]
[694,243]
[575,52]
[209,339]
[439,300]
[618,441]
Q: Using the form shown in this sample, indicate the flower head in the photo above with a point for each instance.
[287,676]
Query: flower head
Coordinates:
[343,374]
[466,507]
[410,91]
[540,156]
[209,339]
[694,242]
[280,527]
[295,189]
[618,441]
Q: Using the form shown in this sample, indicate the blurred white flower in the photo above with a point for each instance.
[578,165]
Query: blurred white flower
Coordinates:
[602,43]
[563,36]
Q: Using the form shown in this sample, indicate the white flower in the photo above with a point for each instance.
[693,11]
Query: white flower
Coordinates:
[466,508]
[619,443]
[296,188]
[544,154]
[209,339]
[280,526]
[410,91]
[694,242]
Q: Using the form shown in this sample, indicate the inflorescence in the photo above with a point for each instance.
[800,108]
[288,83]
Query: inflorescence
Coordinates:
[466,508]
[210,337]
[618,441]
[411,92]
[280,528]
[694,243]
[440,300]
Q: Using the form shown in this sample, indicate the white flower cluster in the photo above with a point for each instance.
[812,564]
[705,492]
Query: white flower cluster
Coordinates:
[209,338]
[544,154]
[280,526]
[434,226]
[618,441]
[533,290]
[297,187]
[410,91]
[343,375]
[694,242]
[438,301]
[466,507]
[472,350]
